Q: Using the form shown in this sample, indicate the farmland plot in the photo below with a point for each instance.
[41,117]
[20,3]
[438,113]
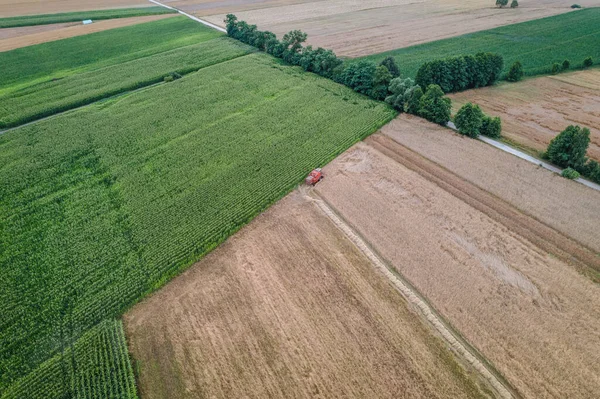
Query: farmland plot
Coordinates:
[534,111]
[107,203]
[358,27]
[527,312]
[288,307]
[13,8]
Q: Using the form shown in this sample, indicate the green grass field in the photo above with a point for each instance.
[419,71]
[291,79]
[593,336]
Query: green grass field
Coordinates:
[45,62]
[105,204]
[52,97]
[32,20]
[537,44]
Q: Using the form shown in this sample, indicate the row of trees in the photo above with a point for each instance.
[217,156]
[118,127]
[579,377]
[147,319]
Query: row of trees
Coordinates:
[569,150]
[407,96]
[471,121]
[460,73]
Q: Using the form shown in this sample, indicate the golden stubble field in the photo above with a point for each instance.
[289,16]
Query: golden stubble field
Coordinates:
[12,38]
[534,111]
[531,314]
[362,27]
[288,308]
[13,8]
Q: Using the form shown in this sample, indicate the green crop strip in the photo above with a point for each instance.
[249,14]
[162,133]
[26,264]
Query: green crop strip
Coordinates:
[105,204]
[537,44]
[96,15]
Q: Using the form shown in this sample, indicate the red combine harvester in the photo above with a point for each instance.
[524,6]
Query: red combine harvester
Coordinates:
[314,177]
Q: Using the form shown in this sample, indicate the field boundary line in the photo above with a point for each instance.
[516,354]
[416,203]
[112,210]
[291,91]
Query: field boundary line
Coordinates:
[520,154]
[415,298]
[193,18]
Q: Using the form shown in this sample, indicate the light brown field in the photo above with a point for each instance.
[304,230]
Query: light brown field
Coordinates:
[361,27]
[534,111]
[12,38]
[287,308]
[531,314]
[14,8]
[566,206]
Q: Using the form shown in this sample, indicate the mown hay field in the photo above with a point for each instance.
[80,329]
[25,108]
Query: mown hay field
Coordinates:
[355,28]
[536,44]
[288,308]
[529,313]
[105,204]
[534,111]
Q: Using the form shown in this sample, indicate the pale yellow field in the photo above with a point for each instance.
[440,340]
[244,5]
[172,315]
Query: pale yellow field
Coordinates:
[362,27]
[13,8]
[534,111]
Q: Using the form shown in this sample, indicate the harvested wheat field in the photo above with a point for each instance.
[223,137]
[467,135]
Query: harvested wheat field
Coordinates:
[529,313]
[288,308]
[358,27]
[566,206]
[14,8]
[534,111]
[12,38]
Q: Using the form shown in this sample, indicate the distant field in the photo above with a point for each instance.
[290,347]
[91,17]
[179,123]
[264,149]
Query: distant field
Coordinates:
[27,66]
[537,44]
[51,97]
[309,317]
[13,8]
[107,203]
[15,22]
[354,28]
[534,111]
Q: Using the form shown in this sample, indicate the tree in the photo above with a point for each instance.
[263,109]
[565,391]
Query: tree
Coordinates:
[501,3]
[231,24]
[292,42]
[569,147]
[469,119]
[413,100]
[381,81]
[514,4]
[400,90]
[515,73]
[592,170]
[359,76]
[390,64]
[434,106]
[555,68]
[570,173]
[491,127]
[566,64]
[588,62]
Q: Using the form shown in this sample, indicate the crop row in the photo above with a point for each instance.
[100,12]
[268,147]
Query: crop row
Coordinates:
[536,44]
[96,15]
[49,98]
[105,204]
[97,366]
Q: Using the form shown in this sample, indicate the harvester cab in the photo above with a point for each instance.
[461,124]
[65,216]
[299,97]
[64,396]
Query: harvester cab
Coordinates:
[314,177]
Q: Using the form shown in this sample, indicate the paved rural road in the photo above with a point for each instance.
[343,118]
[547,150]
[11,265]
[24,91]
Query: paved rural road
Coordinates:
[528,158]
[458,344]
[190,16]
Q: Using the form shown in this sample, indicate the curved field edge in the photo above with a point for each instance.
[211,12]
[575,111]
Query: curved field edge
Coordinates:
[96,366]
[27,66]
[152,183]
[50,98]
[536,44]
[96,15]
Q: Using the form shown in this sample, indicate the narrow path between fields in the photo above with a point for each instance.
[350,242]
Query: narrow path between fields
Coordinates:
[459,345]
[528,158]
[190,16]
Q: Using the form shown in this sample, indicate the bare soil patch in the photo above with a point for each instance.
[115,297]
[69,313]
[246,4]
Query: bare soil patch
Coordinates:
[288,307]
[534,111]
[526,311]
[358,27]
[568,207]
[15,8]
[13,38]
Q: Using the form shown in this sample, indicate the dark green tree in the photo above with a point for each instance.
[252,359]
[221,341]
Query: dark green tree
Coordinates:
[359,76]
[501,3]
[569,147]
[390,64]
[588,62]
[413,100]
[434,106]
[515,73]
[514,4]
[491,127]
[468,120]
[231,24]
[381,81]
[555,68]
[566,65]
